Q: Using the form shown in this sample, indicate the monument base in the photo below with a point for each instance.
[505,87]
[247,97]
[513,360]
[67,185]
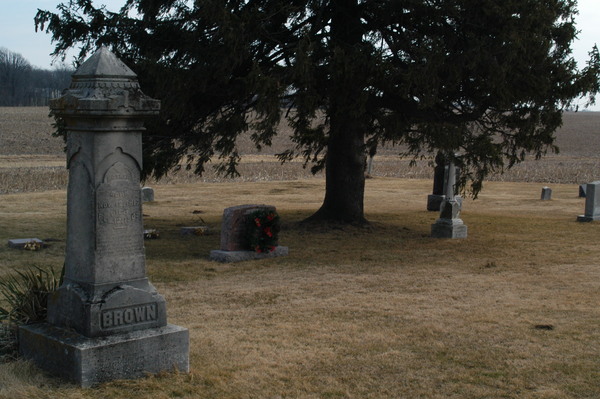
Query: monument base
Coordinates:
[88,361]
[239,256]
[449,230]
[584,218]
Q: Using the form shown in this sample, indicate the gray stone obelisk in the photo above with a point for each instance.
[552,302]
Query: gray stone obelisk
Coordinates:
[106,321]
[449,224]
[440,174]
[434,200]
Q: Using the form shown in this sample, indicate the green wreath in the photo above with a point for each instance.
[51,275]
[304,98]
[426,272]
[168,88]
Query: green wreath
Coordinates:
[262,230]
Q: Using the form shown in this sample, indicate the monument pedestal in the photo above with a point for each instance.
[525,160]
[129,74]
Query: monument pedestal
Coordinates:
[451,229]
[449,224]
[89,361]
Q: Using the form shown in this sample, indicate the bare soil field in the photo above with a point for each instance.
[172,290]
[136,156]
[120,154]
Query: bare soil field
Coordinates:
[32,160]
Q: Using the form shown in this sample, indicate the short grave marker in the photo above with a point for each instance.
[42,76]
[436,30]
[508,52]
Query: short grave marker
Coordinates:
[592,203]
[147,194]
[546,194]
[249,232]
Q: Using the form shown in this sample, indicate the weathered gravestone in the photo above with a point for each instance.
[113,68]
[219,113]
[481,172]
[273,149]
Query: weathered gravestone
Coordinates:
[106,321]
[546,194]
[234,236]
[582,190]
[592,203]
[147,194]
[449,224]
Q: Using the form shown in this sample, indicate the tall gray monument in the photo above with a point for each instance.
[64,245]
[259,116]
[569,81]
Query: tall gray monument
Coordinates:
[592,202]
[434,200]
[449,224]
[106,321]
[440,175]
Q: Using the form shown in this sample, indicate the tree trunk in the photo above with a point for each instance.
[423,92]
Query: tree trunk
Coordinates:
[344,177]
[346,158]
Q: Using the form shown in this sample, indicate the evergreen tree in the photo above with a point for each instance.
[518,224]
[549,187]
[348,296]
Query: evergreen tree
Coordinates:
[484,81]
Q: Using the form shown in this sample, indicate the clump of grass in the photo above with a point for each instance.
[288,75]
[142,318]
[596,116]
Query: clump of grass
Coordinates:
[24,298]
[8,343]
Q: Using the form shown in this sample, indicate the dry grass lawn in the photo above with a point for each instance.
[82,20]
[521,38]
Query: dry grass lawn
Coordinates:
[378,312]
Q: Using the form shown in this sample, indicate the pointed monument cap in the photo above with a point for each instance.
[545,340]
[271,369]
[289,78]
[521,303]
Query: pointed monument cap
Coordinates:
[103,63]
[104,86]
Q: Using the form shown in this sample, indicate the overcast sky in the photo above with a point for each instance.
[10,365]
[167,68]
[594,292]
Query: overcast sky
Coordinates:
[17,32]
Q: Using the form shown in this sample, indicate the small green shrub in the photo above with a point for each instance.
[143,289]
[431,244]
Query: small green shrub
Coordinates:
[23,300]
[8,343]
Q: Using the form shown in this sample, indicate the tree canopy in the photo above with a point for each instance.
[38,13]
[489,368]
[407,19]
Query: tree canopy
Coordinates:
[484,81]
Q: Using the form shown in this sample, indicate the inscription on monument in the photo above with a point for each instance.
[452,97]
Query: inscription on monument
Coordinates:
[119,218]
[119,208]
[113,318]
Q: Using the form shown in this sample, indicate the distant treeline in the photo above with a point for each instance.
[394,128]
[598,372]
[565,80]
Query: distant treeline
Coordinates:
[23,85]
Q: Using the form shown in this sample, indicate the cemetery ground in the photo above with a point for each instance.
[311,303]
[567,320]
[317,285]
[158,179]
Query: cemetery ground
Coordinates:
[382,311]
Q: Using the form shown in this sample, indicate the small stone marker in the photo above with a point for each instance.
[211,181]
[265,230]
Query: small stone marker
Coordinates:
[449,224]
[582,190]
[106,321]
[592,203]
[151,234]
[234,245]
[194,230]
[147,194]
[22,243]
[546,194]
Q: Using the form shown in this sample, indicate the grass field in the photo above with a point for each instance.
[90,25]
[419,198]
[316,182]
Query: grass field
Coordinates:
[377,312]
